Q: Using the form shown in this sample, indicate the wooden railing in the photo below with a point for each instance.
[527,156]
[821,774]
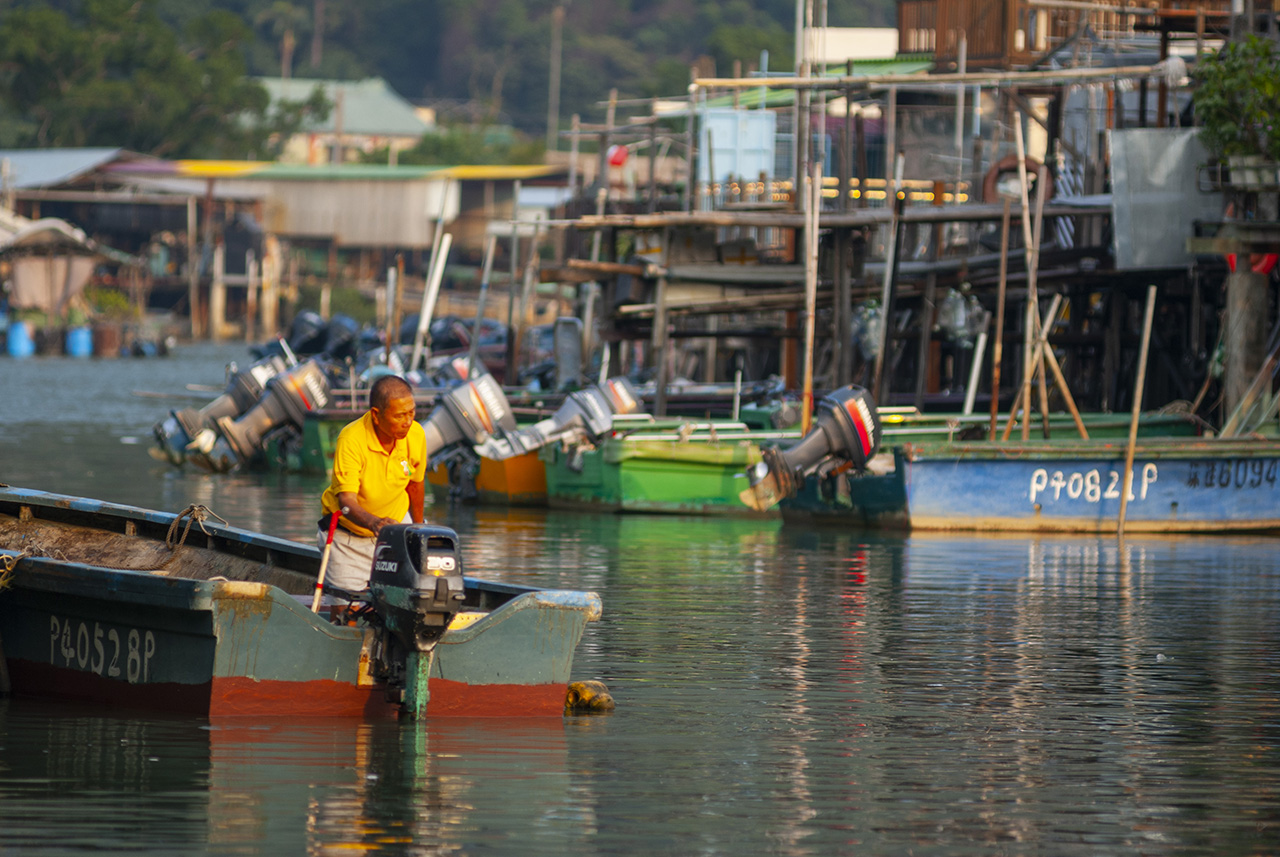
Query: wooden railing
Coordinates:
[1009,33]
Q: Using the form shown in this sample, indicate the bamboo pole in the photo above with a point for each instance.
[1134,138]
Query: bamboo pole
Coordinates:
[810,292]
[473,358]
[1137,405]
[1037,235]
[1036,360]
[422,341]
[1032,314]
[997,350]
[886,293]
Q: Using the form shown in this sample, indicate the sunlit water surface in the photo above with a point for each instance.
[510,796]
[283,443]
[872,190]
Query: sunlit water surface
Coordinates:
[780,690]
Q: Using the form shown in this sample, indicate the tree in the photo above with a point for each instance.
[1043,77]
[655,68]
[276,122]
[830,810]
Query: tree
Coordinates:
[284,20]
[469,144]
[115,75]
[1235,97]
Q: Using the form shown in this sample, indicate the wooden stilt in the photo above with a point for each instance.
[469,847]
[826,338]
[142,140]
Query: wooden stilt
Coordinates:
[997,351]
[1137,405]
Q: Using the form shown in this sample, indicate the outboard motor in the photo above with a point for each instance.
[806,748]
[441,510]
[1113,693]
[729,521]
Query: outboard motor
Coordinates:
[287,400]
[243,389]
[585,413]
[308,333]
[846,425]
[342,338]
[470,412]
[416,583]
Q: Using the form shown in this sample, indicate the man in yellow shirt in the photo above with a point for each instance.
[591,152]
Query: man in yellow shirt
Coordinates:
[379,464]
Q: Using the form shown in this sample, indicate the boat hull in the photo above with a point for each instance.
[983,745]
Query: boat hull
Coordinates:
[669,477]
[1177,486]
[517,481]
[147,637]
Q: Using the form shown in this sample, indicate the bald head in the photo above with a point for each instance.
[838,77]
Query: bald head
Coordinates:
[386,388]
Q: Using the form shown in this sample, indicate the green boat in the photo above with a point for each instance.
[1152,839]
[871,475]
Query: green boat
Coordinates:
[665,466]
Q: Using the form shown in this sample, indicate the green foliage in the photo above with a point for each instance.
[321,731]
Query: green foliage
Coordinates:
[108,302]
[167,76]
[1236,97]
[287,118]
[470,145]
[112,74]
[343,300]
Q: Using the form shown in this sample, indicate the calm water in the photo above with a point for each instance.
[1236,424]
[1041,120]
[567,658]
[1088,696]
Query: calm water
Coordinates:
[780,691]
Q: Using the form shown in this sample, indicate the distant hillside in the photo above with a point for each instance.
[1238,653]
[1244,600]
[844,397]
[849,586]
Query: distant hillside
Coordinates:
[495,54]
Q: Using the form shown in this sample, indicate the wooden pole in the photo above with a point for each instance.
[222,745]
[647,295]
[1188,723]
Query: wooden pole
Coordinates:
[1137,405]
[886,294]
[1032,314]
[997,350]
[810,291]
[193,271]
[473,358]
[422,338]
[1032,281]
[1034,358]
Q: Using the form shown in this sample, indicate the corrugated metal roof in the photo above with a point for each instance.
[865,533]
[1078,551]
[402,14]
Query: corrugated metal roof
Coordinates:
[384,172]
[38,168]
[343,172]
[366,107]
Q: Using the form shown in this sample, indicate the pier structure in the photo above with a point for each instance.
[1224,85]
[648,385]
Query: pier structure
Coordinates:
[916,281]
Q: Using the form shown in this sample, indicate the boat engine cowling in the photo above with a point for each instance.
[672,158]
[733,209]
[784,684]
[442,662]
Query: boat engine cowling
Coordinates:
[470,412]
[586,412]
[416,582]
[244,388]
[288,398]
[845,425]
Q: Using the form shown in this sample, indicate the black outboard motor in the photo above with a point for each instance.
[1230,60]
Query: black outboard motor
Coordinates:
[308,333]
[585,413]
[845,425]
[342,338]
[470,412]
[416,583]
[287,400]
[243,389]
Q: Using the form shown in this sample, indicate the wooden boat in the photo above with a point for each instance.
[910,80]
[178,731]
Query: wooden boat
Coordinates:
[878,496]
[1179,485]
[517,481]
[668,466]
[904,425]
[102,603]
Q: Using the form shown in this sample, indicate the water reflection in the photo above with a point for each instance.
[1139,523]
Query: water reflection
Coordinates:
[780,691]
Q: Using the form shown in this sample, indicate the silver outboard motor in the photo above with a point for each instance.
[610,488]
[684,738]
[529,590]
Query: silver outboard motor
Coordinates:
[244,388]
[288,398]
[472,412]
[845,425]
[584,413]
[416,584]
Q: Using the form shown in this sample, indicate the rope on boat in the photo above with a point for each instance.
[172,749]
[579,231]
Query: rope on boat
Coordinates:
[194,514]
[7,564]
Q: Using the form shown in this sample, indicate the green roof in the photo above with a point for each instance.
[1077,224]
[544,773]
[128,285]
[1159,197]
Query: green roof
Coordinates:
[365,107]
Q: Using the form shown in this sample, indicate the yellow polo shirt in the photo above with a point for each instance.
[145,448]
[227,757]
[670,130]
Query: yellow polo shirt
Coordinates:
[376,477]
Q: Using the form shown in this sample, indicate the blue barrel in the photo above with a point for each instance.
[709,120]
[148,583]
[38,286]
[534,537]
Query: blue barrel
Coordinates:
[79,342]
[21,342]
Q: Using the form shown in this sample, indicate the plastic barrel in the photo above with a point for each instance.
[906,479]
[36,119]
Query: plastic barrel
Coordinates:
[21,343]
[79,342]
[106,339]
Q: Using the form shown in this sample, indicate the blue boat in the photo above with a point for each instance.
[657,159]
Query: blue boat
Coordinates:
[1178,485]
